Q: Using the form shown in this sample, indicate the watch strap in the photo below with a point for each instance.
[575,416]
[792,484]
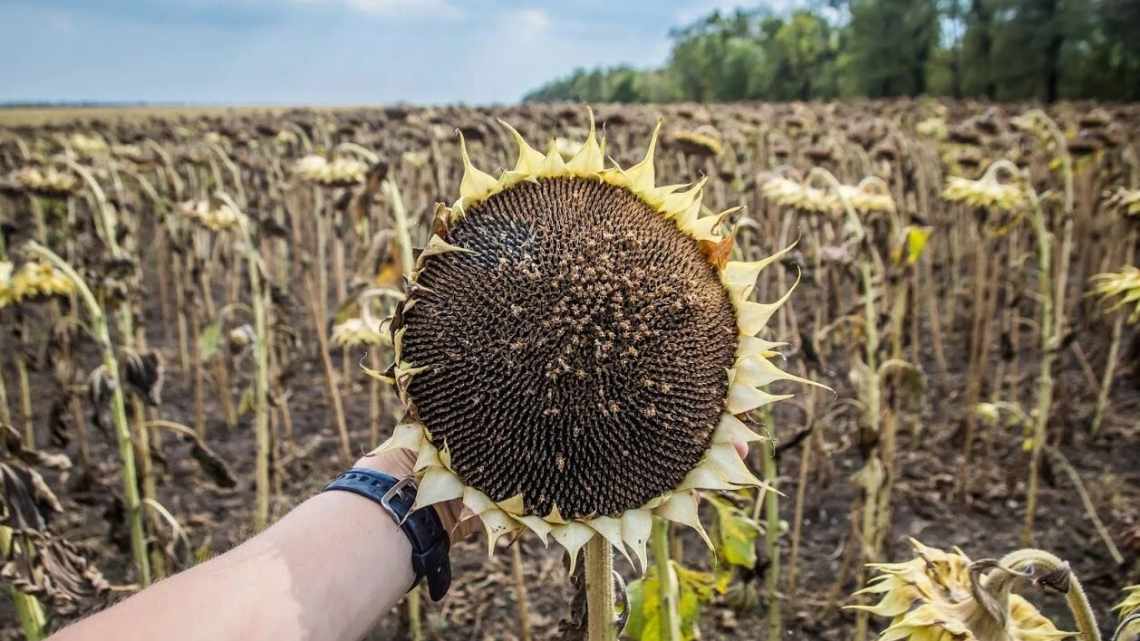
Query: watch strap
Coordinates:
[430,541]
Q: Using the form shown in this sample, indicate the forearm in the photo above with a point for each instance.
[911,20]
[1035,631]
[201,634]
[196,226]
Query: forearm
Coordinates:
[325,572]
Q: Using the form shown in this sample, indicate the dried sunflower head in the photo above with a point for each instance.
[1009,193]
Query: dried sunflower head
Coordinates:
[1124,284]
[216,216]
[986,192]
[355,332]
[339,172]
[943,596]
[575,349]
[790,193]
[34,280]
[1128,611]
[48,182]
[1126,201]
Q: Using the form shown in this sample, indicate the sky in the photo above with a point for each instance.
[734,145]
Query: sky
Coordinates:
[324,52]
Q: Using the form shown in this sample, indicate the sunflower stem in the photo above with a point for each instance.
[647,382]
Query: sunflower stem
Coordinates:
[118,409]
[772,529]
[29,612]
[1075,596]
[599,590]
[668,591]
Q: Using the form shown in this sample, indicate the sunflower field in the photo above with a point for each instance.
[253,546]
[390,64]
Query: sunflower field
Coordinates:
[920,316]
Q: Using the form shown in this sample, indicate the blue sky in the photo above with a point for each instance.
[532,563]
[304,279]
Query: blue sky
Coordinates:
[323,52]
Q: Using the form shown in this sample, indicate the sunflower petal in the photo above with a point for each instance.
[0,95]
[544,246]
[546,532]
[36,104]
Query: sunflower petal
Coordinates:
[635,528]
[682,508]
[745,398]
[438,485]
[572,536]
[475,183]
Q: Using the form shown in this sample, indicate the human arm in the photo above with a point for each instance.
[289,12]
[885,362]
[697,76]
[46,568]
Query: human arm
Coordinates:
[326,571]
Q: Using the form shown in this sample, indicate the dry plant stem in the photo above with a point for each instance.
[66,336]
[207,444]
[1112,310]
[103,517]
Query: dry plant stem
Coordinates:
[29,612]
[415,616]
[221,371]
[521,599]
[1086,500]
[599,590]
[375,400]
[1113,349]
[25,399]
[149,486]
[316,311]
[1051,327]
[102,336]
[870,498]
[199,374]
[1075,597]
[5,410]
[180,305]
[801,487]
[669,617]
[973,372]
[771,528]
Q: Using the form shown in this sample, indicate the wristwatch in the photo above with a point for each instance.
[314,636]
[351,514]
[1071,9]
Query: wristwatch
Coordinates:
[429,539]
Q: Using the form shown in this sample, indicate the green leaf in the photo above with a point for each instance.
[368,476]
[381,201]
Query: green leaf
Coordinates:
[209,341]
[737,534]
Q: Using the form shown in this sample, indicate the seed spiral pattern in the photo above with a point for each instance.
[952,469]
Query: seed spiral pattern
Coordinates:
[577,354]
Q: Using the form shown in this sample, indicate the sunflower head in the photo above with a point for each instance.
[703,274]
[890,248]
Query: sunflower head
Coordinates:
[215,216]
[1128,611]
[339,172]
[1123,286]
[33,281]
[575,350]
[986,193]
[355,332]
[48,182]
[943,596]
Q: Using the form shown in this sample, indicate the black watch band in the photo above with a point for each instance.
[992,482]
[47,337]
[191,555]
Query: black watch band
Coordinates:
[423,528]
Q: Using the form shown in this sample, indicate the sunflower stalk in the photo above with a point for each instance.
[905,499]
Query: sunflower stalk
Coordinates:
[29,612]
[669,592]
[599,590]
[1113,350]
[1048,564]
[771,528]
[260,303]
[102,336]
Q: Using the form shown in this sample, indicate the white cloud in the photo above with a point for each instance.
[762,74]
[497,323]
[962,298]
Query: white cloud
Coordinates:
[418,8]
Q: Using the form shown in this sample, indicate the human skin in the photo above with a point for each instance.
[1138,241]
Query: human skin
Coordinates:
[326,571]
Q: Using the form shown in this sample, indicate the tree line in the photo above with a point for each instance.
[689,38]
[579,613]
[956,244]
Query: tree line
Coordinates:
[1003,50]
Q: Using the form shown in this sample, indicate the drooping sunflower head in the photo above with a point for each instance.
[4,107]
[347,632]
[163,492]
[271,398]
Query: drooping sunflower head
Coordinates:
[944,596]
[1119,290]
[575,348]
[1128,611]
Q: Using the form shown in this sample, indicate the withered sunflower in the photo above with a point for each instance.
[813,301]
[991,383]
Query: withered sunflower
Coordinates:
[575,349]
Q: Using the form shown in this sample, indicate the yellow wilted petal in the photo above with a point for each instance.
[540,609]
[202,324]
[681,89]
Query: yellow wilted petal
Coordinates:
[496,523]
[678,203]
[752,346]
[702,228]
[745,398]
[726,460]
[752,317]
[760,372]
[641,176]
[428,457]
[537,525]
[476,183]
[438,485]
[530,160]
[705,477]
[732,430]
[743,275]
[635,529]
[553,165]
[572,536]
[588,161]
[513,505]
[437,245]
[610,529]
[406,436]
[555,516]
[477,501]
[682,508]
